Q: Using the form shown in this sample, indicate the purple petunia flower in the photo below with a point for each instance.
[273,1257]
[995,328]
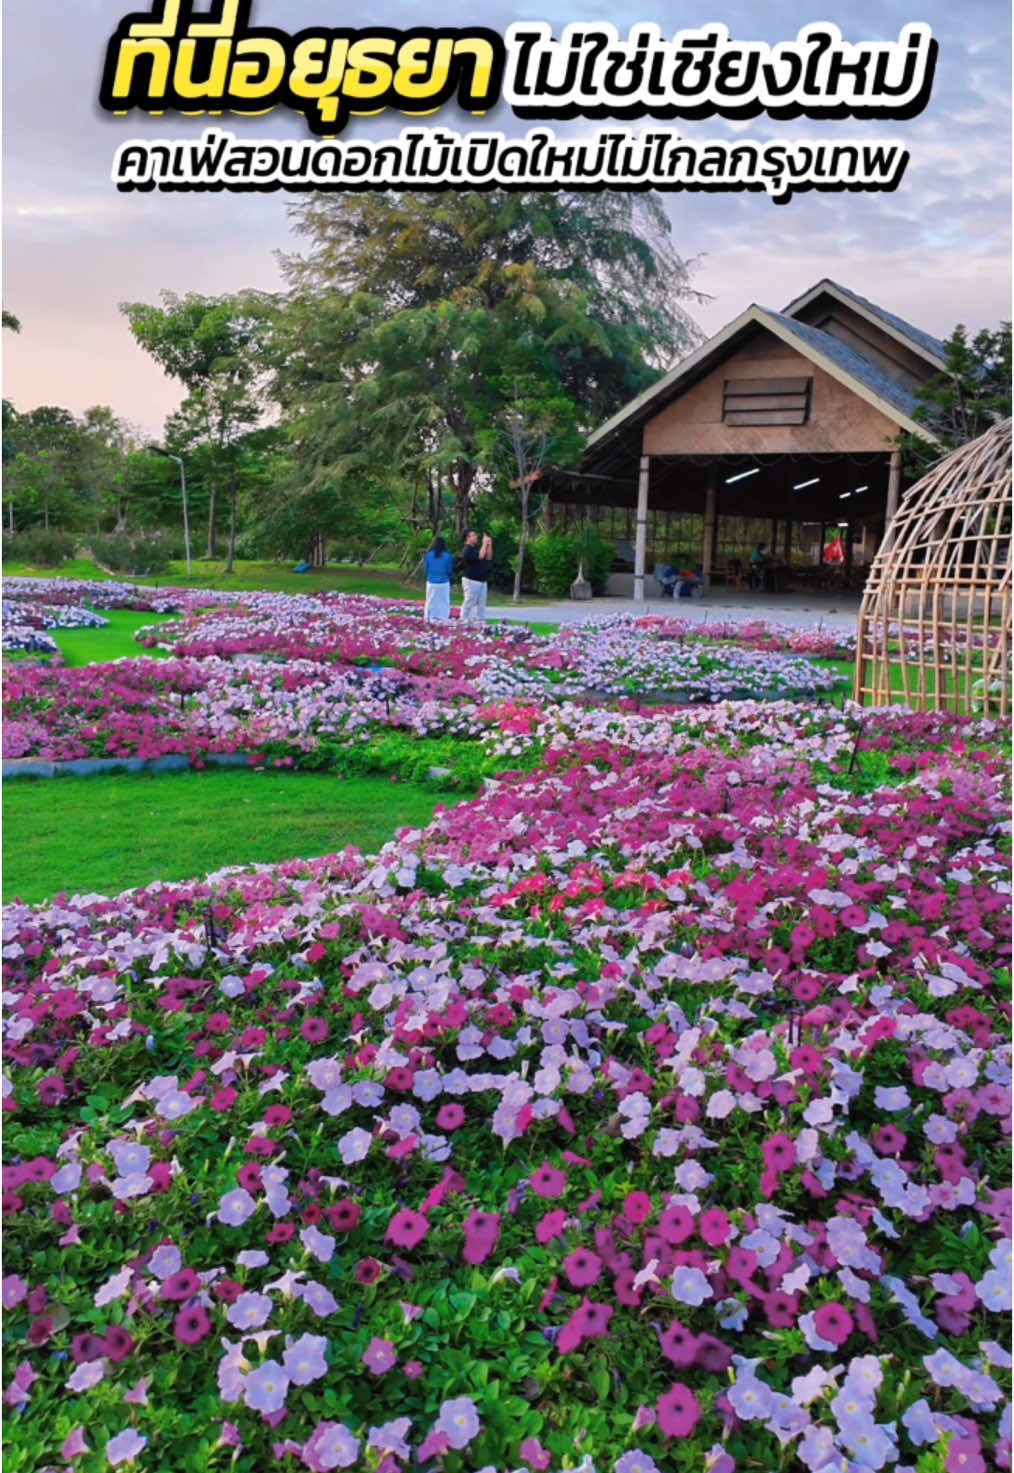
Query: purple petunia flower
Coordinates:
[458,1420]
[304,1359]
[265,1389]
[330,1445]
[125,1446]
[235,1207]
[249,1311]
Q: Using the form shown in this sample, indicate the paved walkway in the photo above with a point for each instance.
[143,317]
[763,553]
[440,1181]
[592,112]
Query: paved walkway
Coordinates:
[799,610]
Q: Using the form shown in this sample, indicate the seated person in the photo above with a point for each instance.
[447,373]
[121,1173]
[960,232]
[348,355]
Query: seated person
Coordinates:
[762,573]
[689,579]
[665,577]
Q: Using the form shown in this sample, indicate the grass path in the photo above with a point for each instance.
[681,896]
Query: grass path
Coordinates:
[108,834]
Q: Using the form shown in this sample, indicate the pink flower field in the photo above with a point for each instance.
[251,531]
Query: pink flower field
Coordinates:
[648,1111]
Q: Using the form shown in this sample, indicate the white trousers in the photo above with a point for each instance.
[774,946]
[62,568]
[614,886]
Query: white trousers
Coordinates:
[438,602]
[473,609]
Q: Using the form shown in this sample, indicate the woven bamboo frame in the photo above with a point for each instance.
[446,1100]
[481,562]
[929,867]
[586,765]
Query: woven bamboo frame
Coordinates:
[935,622]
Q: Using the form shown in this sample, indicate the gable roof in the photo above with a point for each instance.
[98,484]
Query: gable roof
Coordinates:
[843,363]
[931,348]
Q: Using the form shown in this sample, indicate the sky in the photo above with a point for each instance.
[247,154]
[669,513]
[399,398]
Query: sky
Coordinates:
[937,251]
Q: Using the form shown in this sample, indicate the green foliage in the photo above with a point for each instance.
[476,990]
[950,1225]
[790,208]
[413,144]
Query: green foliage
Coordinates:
[133,552]
[414,317]
[212,345]
[557,556]
[972,393]
[38,547]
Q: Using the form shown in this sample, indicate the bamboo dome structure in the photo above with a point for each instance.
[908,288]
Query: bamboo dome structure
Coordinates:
[935,622]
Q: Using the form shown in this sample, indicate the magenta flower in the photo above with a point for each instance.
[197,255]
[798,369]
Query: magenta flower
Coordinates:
[449,1117]
[191,1325]
[678,1344]
[87,1347]
[678,1411]
[73,1444]
[379,1356]
[407,1228]
[582,1267]
[548,1181]
[675,1224]
[343,1214]
[550,1225]
[636,1206]
[713,1226]
[591,1319]
[833,1322]
[482,1229]
[181,1285]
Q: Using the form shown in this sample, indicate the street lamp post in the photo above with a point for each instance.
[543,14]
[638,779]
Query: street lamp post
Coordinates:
[157,450]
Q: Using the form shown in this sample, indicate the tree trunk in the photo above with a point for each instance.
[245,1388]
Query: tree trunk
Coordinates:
[232,521]
[212,509]
[522,539]
[462,496]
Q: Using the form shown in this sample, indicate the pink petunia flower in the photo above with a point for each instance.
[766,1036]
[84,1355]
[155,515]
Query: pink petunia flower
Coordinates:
[407,1228]
[678,1411]
[379,1356]
[548,1181]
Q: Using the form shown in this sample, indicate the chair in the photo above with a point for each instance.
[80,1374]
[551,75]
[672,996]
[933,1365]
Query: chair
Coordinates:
[734,574]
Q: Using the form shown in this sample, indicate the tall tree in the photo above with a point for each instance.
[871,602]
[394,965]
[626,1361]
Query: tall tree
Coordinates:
[43,475]
[412,313]
[972,393]
[210,344]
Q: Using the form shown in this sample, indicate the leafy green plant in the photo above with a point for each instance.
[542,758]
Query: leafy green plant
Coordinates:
[558,555]
[40,547]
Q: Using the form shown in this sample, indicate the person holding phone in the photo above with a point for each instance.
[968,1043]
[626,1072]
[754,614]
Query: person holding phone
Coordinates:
[478,559]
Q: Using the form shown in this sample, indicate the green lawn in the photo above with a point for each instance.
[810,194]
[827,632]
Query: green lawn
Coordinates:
[272,577]
[86,646]
[108,834]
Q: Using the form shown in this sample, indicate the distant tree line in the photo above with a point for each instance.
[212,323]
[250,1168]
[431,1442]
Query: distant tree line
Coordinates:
[431,354]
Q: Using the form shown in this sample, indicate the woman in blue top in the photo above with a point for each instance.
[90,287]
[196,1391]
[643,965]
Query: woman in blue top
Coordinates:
[439,565]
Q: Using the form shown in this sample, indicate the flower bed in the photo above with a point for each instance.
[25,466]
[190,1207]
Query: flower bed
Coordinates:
[650,1111]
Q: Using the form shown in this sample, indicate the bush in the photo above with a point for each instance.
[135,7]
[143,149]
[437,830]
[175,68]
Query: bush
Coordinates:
[39,547]
[557,556]
[133,552]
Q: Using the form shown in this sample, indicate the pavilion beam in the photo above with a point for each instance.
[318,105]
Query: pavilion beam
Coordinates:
[641,540]
[710,523]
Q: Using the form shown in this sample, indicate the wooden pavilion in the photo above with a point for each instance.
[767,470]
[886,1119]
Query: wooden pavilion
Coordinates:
[778,429]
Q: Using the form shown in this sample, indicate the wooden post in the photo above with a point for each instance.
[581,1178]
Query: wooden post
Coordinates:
[893,492]
[787,544]
[710,523]
[640,544]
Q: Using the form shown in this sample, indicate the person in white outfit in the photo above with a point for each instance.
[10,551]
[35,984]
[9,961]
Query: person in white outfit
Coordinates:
[439,565]
[478,557]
